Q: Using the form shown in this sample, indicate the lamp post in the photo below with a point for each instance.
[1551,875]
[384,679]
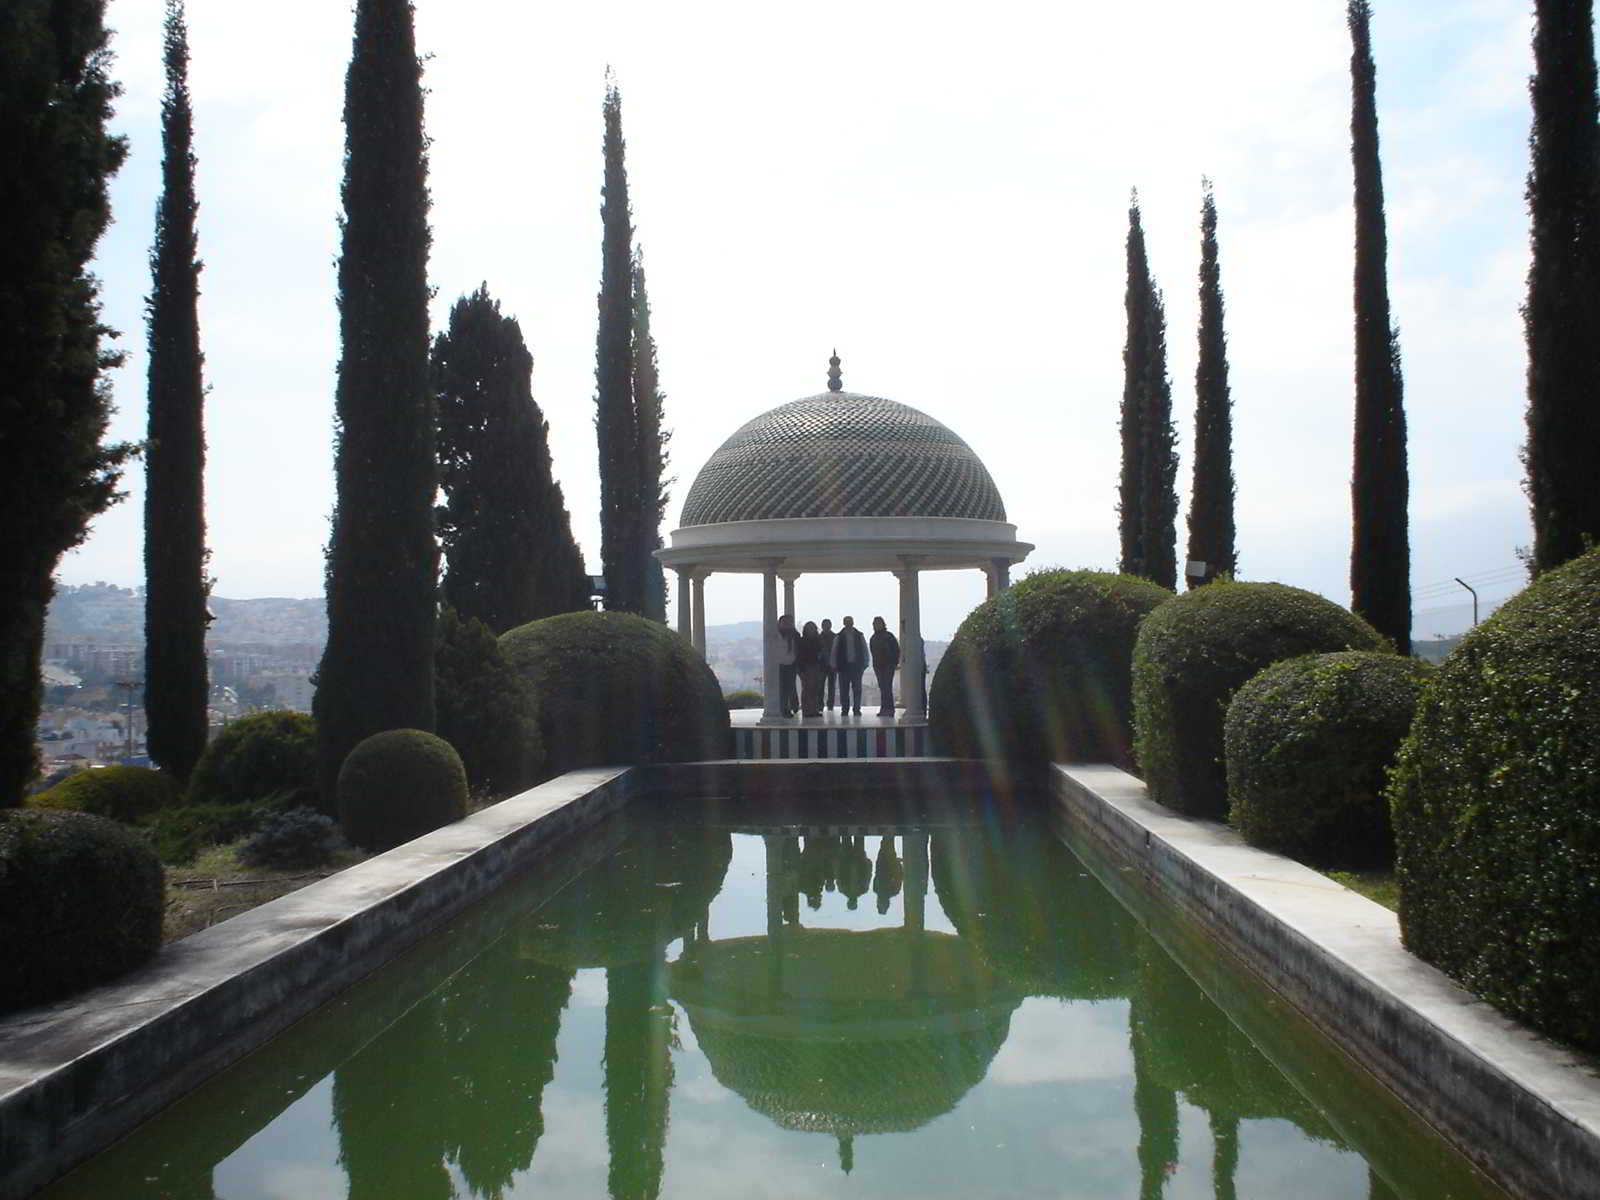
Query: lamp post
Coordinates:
[1469,588]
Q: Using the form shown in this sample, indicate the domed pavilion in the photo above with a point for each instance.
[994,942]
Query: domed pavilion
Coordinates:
[839,481]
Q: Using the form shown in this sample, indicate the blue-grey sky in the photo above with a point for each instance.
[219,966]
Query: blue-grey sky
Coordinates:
[941,195]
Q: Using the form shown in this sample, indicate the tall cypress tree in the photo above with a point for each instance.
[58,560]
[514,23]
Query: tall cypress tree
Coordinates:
[1135,366]
[509,553]
[1148,499]
[377,668]
[1563,311]
[1159,505]
[616,425]
[1211,527]
[55,473]
[1380,551]
[649,407]
[174,504]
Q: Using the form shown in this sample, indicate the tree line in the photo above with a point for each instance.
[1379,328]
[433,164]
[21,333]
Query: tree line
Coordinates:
[406,423]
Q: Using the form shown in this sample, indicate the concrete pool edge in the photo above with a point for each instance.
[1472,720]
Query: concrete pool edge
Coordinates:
[1523,1110]
[78,1074]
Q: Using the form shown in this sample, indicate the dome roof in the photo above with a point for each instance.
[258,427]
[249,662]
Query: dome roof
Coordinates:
[842,454]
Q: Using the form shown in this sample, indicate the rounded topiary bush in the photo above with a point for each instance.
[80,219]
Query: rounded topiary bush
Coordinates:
[1309,744]
[1194,652]
[123,793]
[398,785]
[1041,672]
[81,902]
[484,709]
[744,698]
[1497,808]
[614,688]
[266,755]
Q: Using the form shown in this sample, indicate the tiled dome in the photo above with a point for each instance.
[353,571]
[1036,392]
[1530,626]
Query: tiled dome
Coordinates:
[842,454]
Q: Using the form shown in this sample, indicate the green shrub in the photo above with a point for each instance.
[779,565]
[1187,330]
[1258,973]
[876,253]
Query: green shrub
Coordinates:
[123,793]
[1194,652]
[614,688]
[181,833]
[484,709]
[398,785]
[1497,809]
[744,698]
[298,837]
[262,756]
[1040,672]
[81,900]
[1309,744]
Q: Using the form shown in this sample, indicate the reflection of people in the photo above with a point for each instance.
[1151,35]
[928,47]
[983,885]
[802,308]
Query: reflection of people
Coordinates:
[885,658]
[808,662]
[850,660]
[829,675]
[784,639]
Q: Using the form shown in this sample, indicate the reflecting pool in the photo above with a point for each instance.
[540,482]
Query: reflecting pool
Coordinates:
[930,1007]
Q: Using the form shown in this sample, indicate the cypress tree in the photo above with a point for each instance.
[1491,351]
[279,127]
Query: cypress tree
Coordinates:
[649,407]
[1135,365]
[1563,311]
[616,425]
[1380,553]
[55,473]
[1211,527]
[1148,500]
[174,506]
[507,540]
[1159,504]
[377,668]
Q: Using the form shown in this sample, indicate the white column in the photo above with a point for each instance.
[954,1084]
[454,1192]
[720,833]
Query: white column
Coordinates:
[699,634]
[772,708]
[911,638]
[684,627]
[992,575]
[1002,574]
[788,593]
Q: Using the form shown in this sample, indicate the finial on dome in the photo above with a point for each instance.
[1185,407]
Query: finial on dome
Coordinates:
[835,381]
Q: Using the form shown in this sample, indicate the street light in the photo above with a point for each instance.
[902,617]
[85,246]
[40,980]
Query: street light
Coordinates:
[1469,588]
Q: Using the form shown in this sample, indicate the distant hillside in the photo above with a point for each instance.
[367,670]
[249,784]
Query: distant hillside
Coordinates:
[111,616]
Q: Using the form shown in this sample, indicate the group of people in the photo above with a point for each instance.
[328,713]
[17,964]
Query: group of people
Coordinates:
[824,662]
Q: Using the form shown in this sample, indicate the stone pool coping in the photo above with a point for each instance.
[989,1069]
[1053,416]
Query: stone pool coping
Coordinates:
[78,1074]
[1525,1111]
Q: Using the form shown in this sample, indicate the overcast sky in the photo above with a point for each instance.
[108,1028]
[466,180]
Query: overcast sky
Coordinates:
[940,194]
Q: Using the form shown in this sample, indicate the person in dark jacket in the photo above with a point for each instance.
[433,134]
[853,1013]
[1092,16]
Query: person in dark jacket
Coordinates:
[850,661]
[808,663]
[885,658]
[829,675]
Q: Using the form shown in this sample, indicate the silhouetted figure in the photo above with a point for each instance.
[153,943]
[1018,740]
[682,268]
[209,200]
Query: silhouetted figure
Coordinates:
[885,661]
[887,874]
[808,662]
[829,676]
[855,869]
[850,660]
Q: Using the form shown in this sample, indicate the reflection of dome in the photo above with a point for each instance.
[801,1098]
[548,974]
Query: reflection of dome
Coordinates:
[841,454]
[845,1032]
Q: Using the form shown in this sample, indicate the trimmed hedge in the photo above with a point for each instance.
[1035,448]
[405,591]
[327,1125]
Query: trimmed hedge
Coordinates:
[123,793]
[484,709]
[1309,745]
[398,785]
[744,698]
[81,901]
[267,755]
[1194,652]
[1497,809]
[1041,672]
[614,688]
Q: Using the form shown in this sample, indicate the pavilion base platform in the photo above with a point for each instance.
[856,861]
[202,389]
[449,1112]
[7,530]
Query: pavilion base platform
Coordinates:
[832,735]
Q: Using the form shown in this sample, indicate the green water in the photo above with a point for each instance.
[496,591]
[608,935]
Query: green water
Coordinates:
[931,1008]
